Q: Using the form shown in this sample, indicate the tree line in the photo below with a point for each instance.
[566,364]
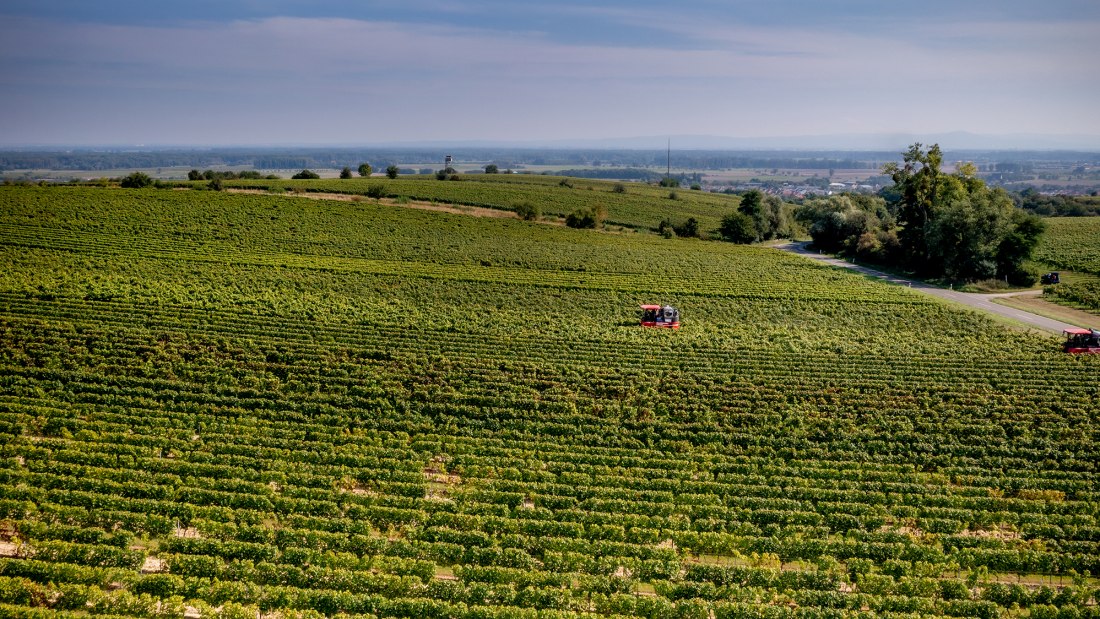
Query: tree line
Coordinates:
[928,222]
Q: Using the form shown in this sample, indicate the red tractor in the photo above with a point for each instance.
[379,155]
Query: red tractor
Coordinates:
[1082,341]
[660,316]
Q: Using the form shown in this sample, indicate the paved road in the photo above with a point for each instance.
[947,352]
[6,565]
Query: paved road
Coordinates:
[982,302]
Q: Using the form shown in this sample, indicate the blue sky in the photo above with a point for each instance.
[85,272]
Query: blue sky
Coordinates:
[360,72]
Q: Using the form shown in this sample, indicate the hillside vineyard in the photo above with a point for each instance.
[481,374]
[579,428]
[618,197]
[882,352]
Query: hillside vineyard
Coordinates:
[241,405]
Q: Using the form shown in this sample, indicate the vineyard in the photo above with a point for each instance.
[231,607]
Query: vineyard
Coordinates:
[1074,243]
[636,206]
[243,405]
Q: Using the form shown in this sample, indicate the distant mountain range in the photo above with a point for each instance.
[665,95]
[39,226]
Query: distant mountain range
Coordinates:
[955,141]
[863,142]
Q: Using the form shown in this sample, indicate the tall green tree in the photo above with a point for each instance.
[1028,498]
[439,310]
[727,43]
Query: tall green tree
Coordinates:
[917,182]
[365,169]
[770,219]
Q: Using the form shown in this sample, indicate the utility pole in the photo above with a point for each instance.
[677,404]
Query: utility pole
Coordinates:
[668,161]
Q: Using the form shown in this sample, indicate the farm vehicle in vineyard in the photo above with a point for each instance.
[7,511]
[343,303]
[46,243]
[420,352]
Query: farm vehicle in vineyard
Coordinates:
[1082,341]
[660,316]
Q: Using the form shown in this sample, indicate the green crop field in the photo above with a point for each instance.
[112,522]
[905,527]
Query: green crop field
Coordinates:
[1074,243]
[245,405]
[639,206]
[1071,243]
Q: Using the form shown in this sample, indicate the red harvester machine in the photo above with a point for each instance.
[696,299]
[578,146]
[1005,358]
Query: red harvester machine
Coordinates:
[1082,341]
[660,316]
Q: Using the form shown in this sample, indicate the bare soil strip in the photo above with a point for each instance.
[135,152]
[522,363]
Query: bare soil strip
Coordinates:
[457,209]
[1037,305]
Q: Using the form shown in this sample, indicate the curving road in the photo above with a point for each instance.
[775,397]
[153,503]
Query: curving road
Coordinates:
[970,299]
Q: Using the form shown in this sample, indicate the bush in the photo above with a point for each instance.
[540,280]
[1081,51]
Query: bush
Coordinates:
[585,218]
[672,195]
[306,174]
[528,211]
[666,229]
[376,191]
[392,171]
[136,180]
[689,228]
[345,173]
[492,169]
[618,188]
[738,228]
[565,182]
[365,169]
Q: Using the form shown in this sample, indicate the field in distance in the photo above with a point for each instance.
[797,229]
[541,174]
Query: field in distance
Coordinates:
[221,404]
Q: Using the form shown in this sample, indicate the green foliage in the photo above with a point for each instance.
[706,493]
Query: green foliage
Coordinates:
[1085,294]
[854,225]
[136,180]
[939,225]
[306,174]
[345,173]
[618,188]
[738,227]
[769,217]
[1070,243]
[365,169]
[492,169]
[330,407]
[376,191]
[392,171]
[528,211]
[585,218]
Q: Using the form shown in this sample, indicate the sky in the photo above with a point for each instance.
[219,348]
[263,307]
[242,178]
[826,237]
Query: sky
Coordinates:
[360,72]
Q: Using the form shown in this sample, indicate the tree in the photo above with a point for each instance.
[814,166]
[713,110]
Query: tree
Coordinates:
[345,173]
[1017,246]
[392,171]
[304,174]
[136,180]
[954,226]
[918,185]
[769,218]
[491,168]
[738,227]
[194,175]
[365,169]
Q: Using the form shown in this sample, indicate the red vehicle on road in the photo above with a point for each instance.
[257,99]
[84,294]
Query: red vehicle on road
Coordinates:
[1082,341]
[660,316]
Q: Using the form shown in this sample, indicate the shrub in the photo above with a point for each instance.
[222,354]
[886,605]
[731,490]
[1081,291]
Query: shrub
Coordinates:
[365,169]
[528,211]
[738,228]
[345,173]
[136,180]
[585,218]
[565,182]
[304,174]
[392,171]
[689,228]
[618,188]
[376,191]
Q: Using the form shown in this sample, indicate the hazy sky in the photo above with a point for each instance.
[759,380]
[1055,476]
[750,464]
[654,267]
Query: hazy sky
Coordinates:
[360,72]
